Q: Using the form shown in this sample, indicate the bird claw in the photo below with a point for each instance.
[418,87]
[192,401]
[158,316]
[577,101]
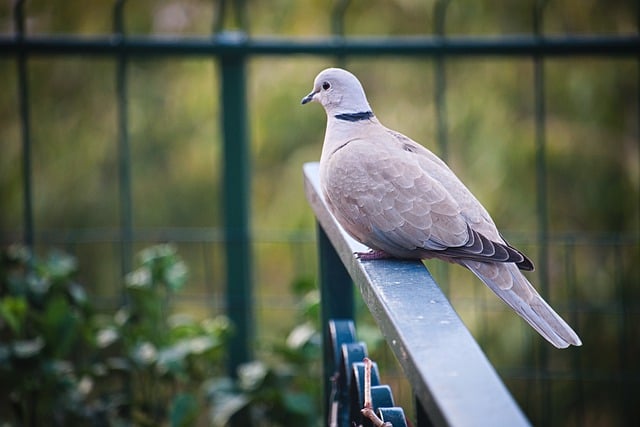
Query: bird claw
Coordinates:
[371,255]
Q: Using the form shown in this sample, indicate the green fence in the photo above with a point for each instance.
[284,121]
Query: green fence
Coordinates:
[230,248]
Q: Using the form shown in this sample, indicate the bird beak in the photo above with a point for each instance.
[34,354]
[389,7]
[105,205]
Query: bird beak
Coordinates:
[309,97]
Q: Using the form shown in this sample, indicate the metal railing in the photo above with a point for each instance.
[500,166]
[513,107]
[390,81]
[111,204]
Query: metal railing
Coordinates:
[231,51]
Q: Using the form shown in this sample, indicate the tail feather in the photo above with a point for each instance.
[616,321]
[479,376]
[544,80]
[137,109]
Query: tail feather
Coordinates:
[508,283]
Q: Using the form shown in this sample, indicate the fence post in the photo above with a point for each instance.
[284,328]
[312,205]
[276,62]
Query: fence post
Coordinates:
[235,164]
[25,121]
[124,147]
[542,201]
[337,302]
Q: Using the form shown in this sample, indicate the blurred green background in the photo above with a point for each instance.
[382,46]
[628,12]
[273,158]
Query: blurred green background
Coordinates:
[592,169]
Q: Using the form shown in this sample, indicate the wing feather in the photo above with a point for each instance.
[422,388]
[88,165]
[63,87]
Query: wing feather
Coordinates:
[508,283]
[403,200]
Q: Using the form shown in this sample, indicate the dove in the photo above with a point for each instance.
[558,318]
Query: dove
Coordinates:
[402,201]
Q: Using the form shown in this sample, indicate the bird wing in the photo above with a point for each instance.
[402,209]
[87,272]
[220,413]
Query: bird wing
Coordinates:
[387,201]
[393,195]
[508,283]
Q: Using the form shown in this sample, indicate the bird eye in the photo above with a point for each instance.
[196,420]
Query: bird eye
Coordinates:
[326,85]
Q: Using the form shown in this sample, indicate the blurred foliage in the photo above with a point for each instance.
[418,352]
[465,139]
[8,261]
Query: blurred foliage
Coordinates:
[283,388]
[592,171]
[62,363]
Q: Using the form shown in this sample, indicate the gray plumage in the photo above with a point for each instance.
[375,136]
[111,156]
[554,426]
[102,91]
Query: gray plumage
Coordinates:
[401,200]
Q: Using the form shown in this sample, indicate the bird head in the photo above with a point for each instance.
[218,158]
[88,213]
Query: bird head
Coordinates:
[339,92]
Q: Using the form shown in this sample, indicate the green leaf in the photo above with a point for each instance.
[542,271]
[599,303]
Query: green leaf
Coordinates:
[19,254]
[24,349]
[184,410]
[302,285]
[301,335]
[118,364]
[60,265]
[298,403]
[145,354]
[60,326]
[14,310]
[157,253]
[5,354]
[225,400]
[107,336]
[219,385]
[78,295]
[140,278]
[218,326]
[201,344]
[165,266]
[38,286]
[122,316]
[176,275]
[226,406]
[311,305]
[172,358]
[251,375]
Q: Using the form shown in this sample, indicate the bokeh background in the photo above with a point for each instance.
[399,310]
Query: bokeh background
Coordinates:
[484,122]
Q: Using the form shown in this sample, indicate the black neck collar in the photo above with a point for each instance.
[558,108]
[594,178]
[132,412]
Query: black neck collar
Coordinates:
[354,117]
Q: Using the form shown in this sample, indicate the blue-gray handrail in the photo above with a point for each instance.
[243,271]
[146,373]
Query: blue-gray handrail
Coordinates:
[450,375]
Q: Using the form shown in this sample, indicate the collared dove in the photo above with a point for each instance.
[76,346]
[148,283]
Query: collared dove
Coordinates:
[401,200]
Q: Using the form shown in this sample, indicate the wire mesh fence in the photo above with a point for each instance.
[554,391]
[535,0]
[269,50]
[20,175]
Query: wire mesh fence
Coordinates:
[103,155]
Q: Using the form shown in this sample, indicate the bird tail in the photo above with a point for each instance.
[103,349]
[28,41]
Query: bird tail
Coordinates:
[508,283]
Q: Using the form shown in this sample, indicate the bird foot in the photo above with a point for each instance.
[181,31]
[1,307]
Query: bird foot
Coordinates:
[372,254]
